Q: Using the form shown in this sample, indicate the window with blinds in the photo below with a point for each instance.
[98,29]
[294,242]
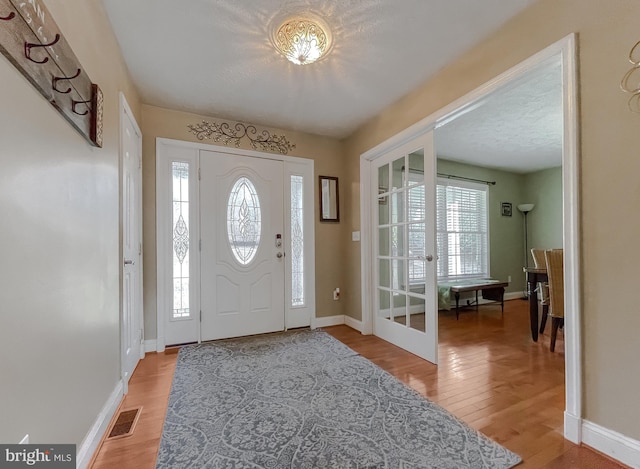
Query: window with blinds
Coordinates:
[462,229]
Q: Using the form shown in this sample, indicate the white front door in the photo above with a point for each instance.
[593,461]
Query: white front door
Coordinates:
[404,249]
[242,253]
[131,327]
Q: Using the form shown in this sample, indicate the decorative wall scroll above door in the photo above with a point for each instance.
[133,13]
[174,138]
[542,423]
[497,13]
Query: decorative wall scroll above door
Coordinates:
[225,133]
[33,43]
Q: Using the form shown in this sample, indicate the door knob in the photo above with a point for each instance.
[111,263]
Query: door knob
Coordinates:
[128,262]
[429,257]
[279,255]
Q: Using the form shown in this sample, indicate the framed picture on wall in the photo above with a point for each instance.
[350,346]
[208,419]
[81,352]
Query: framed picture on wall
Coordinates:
[506,209]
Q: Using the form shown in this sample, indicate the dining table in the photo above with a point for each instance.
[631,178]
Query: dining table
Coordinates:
[534,276]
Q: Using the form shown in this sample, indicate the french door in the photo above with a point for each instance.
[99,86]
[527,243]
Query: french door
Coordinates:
[242,255]
[404,250]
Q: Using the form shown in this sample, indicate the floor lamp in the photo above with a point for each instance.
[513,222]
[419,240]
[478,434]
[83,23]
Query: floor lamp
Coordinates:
[525,209]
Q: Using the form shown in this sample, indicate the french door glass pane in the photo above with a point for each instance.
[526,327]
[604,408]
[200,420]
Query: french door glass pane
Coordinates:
[383,241]
[383,273]
[397,207]
[397,173]
[416,203]
[416,167]
[383,210]
[416,311]
[384,297]
[397,274]
[383,179]
[400,308]
[397,241]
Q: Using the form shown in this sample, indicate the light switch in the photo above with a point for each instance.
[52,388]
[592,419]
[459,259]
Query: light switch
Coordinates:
[355,236]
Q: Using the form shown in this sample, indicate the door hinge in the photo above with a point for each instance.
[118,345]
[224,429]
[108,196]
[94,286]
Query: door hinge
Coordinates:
[139,162]
[200,245]
[200,315]
[198,174]
[139,249]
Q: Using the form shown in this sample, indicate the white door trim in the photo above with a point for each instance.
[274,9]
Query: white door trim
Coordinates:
[126,113]
[300,316]
[566,49]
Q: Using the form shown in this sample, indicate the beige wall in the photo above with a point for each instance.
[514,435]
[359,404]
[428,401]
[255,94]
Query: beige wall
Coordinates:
[328,161]
[609,190]
[60,332]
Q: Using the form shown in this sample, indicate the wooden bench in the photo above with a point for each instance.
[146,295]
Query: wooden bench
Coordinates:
[491,290]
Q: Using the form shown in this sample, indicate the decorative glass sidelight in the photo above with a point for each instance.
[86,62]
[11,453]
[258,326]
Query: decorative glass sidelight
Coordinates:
[244,223]
[297,241]
[180,224]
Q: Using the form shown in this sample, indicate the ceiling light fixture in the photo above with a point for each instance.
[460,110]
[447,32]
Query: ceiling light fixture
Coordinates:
[303,40]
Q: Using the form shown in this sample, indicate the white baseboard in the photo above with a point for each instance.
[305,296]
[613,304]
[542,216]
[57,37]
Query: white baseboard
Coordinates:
[150,345]
[353,323]
[327,321]
[572,428]
[613,444]
[160,344]
[90,443]
[337,321]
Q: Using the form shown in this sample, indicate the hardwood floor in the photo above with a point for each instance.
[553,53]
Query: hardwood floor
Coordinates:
[491,375]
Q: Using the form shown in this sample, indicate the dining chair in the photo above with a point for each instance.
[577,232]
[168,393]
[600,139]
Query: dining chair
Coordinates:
[555,269]
[540,262]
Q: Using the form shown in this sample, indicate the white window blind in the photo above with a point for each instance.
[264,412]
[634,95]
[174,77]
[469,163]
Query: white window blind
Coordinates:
[416,232]
[462,229]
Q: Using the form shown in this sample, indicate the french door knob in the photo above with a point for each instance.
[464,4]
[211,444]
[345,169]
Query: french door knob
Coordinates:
[429,257]
[128,262]
[279,255]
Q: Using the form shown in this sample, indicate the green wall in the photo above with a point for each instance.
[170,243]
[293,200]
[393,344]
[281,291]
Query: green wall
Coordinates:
[543,188]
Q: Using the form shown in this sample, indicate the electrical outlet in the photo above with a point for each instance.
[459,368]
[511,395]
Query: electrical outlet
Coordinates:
[509,279]
[336,294]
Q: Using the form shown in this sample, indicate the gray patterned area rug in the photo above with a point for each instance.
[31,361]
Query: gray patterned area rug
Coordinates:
[303,399]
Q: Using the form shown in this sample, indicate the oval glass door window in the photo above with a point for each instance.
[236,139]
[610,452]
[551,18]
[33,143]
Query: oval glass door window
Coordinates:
[244,222]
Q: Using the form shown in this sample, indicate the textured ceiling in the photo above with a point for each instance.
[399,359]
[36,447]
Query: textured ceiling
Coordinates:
[214,57]
[518,128]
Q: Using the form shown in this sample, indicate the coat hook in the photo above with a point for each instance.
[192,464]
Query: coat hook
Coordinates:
[28,47]
[11,16]
[75,103]
[54,82]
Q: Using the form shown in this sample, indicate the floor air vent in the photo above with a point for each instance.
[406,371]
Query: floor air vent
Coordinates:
[125,423]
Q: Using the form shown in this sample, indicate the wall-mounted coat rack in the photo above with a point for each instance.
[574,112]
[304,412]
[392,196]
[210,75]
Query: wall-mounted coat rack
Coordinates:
[32,41]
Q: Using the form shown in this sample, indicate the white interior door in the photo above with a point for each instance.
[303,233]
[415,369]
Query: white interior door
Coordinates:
[131,327]
[242,253]
[404,249]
